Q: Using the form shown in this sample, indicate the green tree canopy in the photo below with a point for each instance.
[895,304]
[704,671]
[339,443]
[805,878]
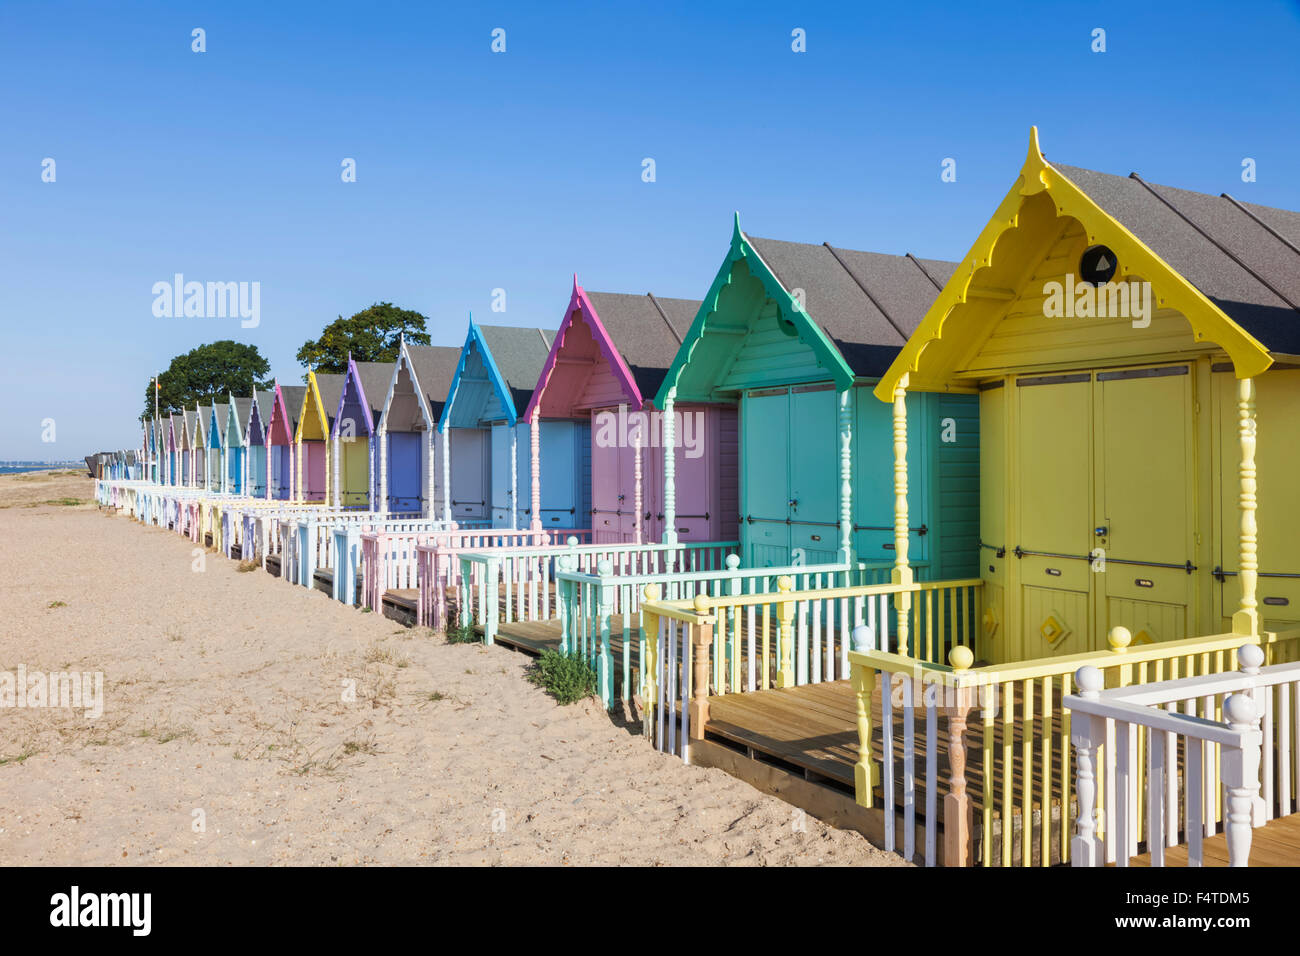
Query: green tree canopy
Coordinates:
[372,335]
[207,372]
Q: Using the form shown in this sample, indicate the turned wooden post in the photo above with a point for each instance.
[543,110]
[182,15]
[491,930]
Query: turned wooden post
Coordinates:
[1086,734]
[701,642]
[1246,620]
[902,573]
[865,773]
[784,634]
[669,434]
[650,661]
[1239,771]
[956,804]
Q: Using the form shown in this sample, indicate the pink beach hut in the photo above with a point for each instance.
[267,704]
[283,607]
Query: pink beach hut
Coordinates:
[608,360]
[281,427]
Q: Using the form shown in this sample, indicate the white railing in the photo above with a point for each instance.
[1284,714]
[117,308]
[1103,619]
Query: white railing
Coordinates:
[1243,722]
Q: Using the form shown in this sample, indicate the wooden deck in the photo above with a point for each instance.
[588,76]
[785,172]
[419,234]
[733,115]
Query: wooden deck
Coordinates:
[811,732]
[401,605]
[1277,843]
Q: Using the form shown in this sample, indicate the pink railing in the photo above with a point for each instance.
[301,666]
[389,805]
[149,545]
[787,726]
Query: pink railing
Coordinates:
[437,561]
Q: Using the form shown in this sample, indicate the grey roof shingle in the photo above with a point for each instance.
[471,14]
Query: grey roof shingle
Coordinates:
[435,367]
[330,386]
[867,303]
[375,378]
[646,330]
[243,406]
[294,396]
[519,354]
[1218,246]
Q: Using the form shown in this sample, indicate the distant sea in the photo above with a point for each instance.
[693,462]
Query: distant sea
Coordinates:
[18,469]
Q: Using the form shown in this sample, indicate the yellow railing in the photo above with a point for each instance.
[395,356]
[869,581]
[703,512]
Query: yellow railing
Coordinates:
[790,636]
[1017,747]
[740,643]
[1023,754]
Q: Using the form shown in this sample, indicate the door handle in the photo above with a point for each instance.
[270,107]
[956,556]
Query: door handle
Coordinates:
[1101,531]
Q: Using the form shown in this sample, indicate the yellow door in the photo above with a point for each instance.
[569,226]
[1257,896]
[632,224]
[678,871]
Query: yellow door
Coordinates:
[1145,572]
[1054,504]
[355,473]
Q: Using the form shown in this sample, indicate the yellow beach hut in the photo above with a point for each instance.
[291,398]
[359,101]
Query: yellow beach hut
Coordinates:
[1126,341]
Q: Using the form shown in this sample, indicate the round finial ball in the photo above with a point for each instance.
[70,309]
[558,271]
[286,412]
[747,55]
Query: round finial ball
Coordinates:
[785,582]
[864,638]
[1239,709]
[960,658]
[571,541]
[651,592]
[1119,638]
[1250,655]
[701,604]
[605,567]
[1089,679]
[733,562]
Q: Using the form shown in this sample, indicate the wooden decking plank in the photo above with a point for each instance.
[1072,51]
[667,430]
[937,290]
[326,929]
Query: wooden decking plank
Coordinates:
[1277,843]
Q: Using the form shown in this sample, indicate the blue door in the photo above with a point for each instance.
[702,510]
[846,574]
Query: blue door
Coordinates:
[501,502]
[404,489]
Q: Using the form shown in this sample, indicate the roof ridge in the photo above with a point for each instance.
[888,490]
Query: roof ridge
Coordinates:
[865,291]
[925,272]
[1265,226]
[1214,242]
[663,315]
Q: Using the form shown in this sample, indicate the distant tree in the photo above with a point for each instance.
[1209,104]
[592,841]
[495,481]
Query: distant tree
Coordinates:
[372,335]
[207,372]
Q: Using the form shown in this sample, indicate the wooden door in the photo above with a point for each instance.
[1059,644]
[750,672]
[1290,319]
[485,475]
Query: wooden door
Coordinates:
[405,489]
[1053,491]
[814,461]
[560,483]
[1145,511]
[765,476]
[469,473]
[355,473]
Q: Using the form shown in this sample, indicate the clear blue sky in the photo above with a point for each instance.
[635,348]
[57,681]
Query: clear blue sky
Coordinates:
[478,170]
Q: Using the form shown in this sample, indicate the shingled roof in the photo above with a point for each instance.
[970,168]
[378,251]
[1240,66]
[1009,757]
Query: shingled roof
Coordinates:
[867,303]
[294,396]
[519,354]
[375,378]
[646,330]
[435,367]
[1242,257]
[330,386]
[242,408]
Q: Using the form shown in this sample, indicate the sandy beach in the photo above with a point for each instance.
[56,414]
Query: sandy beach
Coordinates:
[226,737]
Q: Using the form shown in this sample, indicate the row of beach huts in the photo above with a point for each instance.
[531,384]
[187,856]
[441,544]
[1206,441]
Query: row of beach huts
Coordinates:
[995,561]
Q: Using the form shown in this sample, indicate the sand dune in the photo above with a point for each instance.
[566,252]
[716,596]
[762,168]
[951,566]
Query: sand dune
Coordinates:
[224,705]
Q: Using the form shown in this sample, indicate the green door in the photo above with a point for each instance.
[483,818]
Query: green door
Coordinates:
[814,475]
[765,421]
[791,476]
